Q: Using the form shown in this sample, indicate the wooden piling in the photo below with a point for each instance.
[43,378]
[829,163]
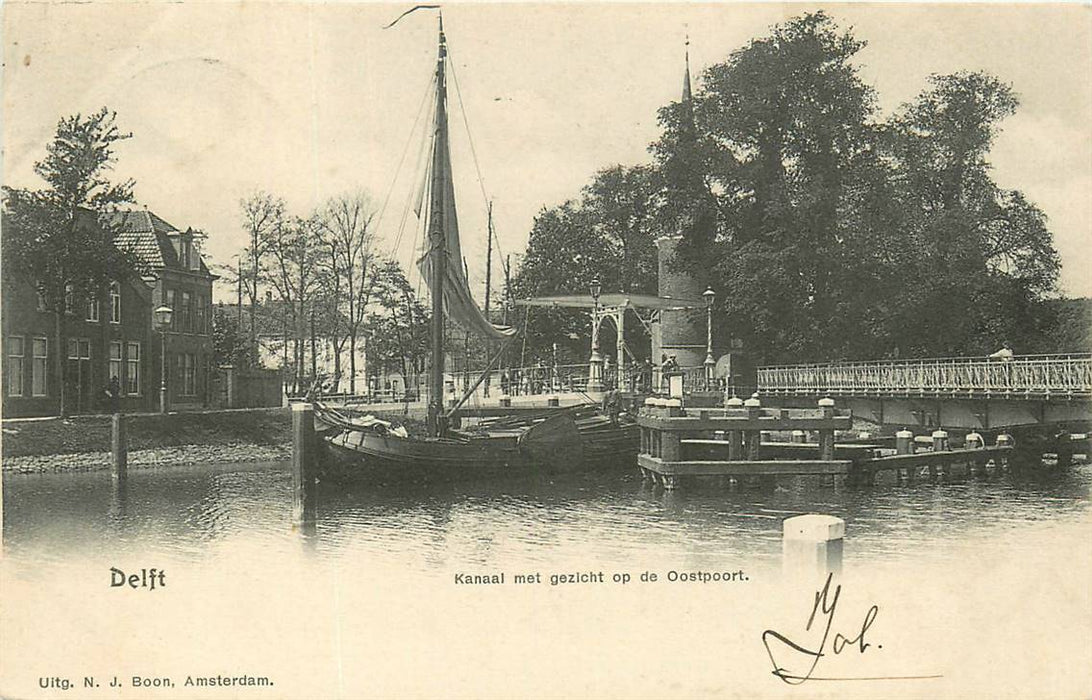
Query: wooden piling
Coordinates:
[1064,449]
[119,447]
[811,545]
[735,445]
[1004,440]
[904,445]
[752,439]
[826,436]
[904,442]
[304,460]
[670,449]
[974,441]
[940,444]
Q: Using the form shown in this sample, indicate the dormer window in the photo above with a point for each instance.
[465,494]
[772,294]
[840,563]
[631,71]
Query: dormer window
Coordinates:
[184,252]
[115,302]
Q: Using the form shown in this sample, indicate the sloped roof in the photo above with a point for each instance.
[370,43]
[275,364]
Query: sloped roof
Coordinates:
[138,231]
[148,236]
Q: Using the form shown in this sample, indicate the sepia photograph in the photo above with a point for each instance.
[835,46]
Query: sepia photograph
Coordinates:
[545,350]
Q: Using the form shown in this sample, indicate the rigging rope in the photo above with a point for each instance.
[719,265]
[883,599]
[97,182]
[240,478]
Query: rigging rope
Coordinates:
[398,170]
[413,131]
[473,150]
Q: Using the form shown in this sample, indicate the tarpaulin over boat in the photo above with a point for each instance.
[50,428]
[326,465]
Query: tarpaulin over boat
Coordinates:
[459,304]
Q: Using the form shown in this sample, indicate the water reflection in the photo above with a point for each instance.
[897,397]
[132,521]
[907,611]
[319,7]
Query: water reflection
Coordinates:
[611,518]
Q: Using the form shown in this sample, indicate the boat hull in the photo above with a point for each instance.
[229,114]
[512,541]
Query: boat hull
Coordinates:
[570,441]
[369,456]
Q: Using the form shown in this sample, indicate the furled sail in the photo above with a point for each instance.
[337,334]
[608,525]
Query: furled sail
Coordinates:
[459,304]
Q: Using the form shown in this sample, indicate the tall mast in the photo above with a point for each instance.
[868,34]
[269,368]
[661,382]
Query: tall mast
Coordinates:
[438,245]
[489,261]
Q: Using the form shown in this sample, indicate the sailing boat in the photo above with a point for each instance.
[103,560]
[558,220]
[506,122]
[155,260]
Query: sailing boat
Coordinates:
[552,441]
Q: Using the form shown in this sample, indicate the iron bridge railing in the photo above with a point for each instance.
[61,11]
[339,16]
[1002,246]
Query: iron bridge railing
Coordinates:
[1028,376]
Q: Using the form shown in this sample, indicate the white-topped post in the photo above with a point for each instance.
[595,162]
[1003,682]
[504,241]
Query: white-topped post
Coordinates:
[812,545]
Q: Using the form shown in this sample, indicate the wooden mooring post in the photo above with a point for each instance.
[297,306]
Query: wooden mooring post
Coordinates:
[904,445]
[119,447]
[974,441]
[304,461]
[940,444]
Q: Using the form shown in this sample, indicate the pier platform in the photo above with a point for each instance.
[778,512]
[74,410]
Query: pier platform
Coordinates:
[734,441]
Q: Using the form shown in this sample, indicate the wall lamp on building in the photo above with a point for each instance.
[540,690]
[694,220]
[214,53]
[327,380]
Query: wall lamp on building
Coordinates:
[162,317]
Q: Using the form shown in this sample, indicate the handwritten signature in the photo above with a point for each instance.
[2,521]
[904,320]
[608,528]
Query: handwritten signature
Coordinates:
[826,604]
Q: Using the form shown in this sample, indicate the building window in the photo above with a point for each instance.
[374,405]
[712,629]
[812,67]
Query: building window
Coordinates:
[68,298]
[187,313]
[170,303]
[79,349]
[93,309]
[115,360]
[199,310]
[39,366]
[115,302]
[132,359]
[15,366]
[189,374]
[40,299]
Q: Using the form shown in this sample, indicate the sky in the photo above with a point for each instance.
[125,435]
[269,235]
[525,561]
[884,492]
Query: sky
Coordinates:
[313,100]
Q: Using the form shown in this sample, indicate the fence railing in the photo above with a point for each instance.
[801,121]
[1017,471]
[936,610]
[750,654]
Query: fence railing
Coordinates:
[1029,375]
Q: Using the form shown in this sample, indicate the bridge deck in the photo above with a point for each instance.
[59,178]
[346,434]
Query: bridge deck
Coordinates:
[1034,377]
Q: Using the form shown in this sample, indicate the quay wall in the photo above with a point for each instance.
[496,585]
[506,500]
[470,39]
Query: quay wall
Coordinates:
[82,443]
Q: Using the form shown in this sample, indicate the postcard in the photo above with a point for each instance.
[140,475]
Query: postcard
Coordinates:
[546,350]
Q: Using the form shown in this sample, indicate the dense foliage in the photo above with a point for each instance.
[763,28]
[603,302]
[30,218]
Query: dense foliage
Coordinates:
[827,230]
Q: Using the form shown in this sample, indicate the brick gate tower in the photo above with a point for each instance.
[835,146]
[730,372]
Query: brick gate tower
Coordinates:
[679,332]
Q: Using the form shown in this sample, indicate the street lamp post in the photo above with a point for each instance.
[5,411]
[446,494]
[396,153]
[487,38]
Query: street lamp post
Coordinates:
[595,362]
[162,317]
[710,296]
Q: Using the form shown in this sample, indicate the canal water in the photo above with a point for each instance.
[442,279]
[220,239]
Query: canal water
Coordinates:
[606,518]
[248,588]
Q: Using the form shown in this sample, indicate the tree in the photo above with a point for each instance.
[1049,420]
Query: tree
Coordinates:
[397,322]
[618,206]
[292,269]
[348,242]
[981,249]
[608,234]
[262,214]
[229,345]
[57,237]
[785,146]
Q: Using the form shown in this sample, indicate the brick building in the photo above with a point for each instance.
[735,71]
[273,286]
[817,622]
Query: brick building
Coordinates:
[103,337]
[180,280]
[112,334]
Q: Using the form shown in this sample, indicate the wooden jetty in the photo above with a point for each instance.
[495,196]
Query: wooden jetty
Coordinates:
[678,442]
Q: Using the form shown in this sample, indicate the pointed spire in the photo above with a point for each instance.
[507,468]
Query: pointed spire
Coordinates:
[686,92]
